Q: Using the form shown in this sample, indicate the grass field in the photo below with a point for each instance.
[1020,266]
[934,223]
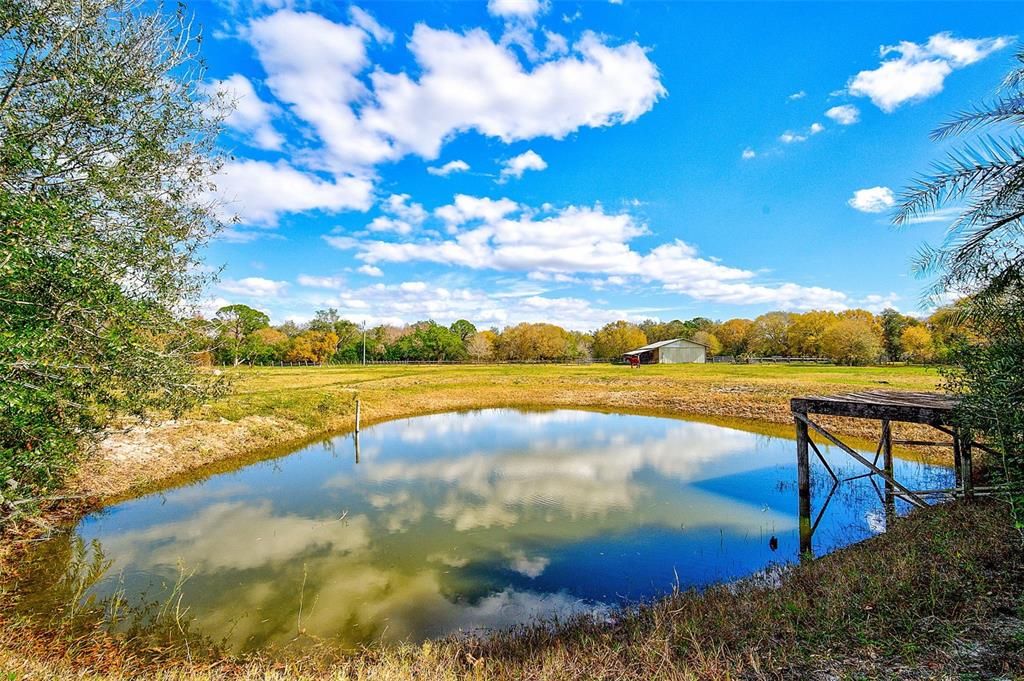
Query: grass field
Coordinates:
[937,597]
[269,409]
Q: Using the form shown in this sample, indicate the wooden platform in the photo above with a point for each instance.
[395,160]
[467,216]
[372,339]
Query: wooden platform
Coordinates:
[886,406]
[908,407]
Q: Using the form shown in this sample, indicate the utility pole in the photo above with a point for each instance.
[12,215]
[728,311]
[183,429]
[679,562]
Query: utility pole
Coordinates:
[364,342]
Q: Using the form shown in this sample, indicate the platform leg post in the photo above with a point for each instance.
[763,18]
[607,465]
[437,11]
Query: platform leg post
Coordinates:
[966,462]
[803,482]
[887,465]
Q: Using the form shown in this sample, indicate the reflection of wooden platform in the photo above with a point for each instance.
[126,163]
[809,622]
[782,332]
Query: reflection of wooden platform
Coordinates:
[931,409]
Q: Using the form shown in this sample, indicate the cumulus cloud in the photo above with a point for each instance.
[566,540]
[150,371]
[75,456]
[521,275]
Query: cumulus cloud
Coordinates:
[872,200]
[258,192]
[357,115]
[918,71]
[522,10]
[517,165]
[816,128]
[254,287]
[844,114]
[598,85]
[465,208]
[748,154]
[371,271]
[790,137]
[314,66]
[250,115]
[456,166]
[797,95]
[552,244]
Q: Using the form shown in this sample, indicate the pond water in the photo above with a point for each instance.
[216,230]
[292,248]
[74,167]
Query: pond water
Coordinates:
[461,522]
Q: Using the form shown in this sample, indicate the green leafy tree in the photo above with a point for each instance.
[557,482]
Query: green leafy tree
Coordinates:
[235,324]
[429,342]
[463,329]
[893,326]
[105,146]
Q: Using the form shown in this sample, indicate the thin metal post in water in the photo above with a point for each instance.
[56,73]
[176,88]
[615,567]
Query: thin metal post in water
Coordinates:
[357,414]
[803,482]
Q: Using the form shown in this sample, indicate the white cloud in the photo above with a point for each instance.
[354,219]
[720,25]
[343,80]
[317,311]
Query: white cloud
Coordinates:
[400,215]
[748,154]
[314,66]
[365,21]
[550,244]
[517,165]
[797,95]
[920,71]
[320,282]
[250,115]
[872,200]
[816,128]
[371,271]
[254,287]
[259,192]
[598,85]
[456,166]
[410,301]
[522,10]
[844,114]
[467,208]
[790,137]
[876,303]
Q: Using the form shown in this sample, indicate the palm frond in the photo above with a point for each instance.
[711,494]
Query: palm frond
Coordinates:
[1002,110]
[971,168]
[1015,78]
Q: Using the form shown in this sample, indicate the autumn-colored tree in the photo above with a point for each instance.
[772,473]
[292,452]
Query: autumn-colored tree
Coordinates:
[769,334]
[313,346]
[916,343]
[710,341]
[613,339]
[482,345]
[852,341]
[533,341]
[733,335]
[268,344]
[807,331]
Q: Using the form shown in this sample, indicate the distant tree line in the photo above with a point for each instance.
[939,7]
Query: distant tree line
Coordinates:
[239,334]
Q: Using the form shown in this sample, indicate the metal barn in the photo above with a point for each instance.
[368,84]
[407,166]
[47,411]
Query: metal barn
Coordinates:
[675,351]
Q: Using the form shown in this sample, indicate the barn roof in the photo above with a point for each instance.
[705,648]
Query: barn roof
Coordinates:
[661,344]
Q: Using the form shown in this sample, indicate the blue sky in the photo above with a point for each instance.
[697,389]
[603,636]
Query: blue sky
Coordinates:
[583,162]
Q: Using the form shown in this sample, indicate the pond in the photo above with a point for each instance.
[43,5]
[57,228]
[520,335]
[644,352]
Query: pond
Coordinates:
[459,522]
